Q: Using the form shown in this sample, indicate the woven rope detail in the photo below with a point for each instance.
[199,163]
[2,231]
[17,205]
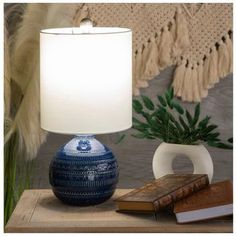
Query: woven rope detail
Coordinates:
[206,28]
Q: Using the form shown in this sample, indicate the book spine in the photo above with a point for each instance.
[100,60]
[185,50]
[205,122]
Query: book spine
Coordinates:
[181,193]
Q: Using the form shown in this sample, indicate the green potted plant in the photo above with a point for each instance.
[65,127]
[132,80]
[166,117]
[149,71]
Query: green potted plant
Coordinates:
[181,133]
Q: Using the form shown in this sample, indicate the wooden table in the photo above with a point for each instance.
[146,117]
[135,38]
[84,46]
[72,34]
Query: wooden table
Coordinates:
[41,211]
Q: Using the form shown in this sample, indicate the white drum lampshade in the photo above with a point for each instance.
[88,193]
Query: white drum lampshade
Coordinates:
[86,80]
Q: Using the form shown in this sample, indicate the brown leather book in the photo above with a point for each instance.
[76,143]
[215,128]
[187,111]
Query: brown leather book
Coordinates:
[216,200]
[162,192]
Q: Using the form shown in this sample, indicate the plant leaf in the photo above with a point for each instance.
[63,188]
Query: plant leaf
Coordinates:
[160,122]
[168,100]
[120,139]
[148,103]
[209,129]
[178,107]
[147,116]
[230,140]
[162,101]
[185,126]
[189,118]
[213,135]
[203,123]
[137,123]
[171,92]
[135,120]
[139,128]
[137,106]
[196,114]
[220,145]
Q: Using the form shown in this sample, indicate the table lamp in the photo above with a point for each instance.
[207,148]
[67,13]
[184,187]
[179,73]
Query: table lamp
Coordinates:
[85,89]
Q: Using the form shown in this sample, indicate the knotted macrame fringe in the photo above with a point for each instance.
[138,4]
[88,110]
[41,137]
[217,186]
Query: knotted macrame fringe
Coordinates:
[160,52]
[187,84]
[181,36]
[223,63]
[179,78]
[192,80]
[213,76]
[202,91]
[151,68]
[229,45]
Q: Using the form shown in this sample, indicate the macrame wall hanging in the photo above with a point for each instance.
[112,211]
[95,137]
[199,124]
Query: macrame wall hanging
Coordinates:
[197,38]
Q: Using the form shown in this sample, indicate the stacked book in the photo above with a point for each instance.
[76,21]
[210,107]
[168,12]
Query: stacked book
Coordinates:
[190,196]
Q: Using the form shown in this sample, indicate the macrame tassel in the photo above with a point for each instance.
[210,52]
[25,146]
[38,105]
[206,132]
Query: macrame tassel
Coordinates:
[223,62]
[165,48]
[229,46]
[213,76]
[138,64]
[202,91]
[206,82]
[182,35]
[173,30]
[142,84]
[195,87]
[138,71]
[187,85]
[157,41]
[179,78]
[144,59]
[151,67]
[136,91]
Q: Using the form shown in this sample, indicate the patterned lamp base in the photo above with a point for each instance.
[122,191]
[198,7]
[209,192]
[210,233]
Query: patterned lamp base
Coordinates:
[83,172]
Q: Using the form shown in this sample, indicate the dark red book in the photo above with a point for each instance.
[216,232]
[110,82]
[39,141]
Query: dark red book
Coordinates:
[162,192]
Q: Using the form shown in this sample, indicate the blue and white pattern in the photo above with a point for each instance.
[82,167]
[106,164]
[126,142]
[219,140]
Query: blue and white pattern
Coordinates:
[84,145]
[84,172]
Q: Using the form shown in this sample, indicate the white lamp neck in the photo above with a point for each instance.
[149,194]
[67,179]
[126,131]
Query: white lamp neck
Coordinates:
[83,136]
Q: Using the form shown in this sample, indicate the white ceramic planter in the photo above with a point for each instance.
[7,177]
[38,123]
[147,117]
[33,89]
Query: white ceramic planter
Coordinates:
[166,153]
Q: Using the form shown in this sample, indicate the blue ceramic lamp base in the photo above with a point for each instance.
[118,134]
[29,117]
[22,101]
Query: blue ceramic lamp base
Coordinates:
[83,172]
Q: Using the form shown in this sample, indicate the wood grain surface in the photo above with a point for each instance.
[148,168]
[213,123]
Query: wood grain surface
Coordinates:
[41,211]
